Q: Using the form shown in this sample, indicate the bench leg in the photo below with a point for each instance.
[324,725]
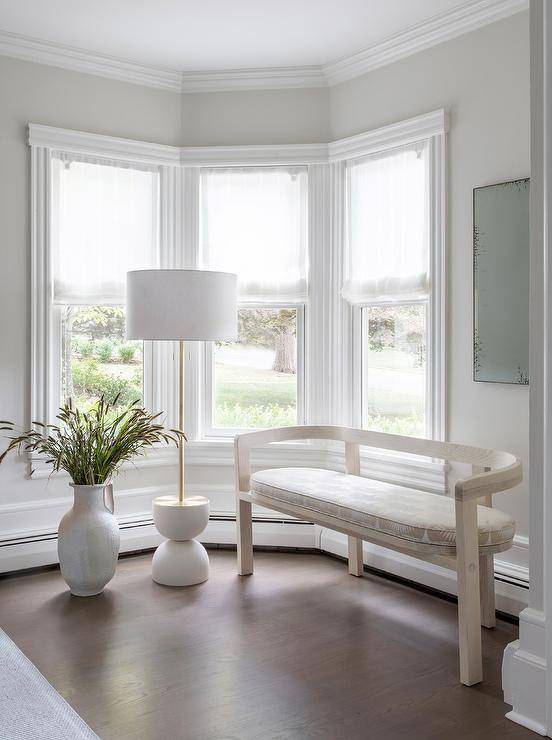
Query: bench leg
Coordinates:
[487,590]
[245,537]
[469,609]
[356,563]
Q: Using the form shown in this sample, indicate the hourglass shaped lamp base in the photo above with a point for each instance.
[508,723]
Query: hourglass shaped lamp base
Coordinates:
[180,560]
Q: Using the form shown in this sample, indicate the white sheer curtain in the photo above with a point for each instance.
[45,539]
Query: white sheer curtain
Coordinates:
[104,222]
[254,223]
[388,226]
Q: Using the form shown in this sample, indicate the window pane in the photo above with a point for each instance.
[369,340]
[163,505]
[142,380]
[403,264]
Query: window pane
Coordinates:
[394,369]
[96,359]
[255,378]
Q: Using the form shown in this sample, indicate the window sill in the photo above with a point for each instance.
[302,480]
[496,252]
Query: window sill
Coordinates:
[158,457]
[406,470]
[390,467]
[199,452]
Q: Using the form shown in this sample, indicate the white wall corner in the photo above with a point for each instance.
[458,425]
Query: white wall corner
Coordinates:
[524,670]
[524,673]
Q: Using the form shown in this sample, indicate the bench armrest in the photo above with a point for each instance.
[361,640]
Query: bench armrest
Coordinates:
[489,482]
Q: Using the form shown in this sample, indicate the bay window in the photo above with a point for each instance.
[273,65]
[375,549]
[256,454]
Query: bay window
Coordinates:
[339,254]
[253,221]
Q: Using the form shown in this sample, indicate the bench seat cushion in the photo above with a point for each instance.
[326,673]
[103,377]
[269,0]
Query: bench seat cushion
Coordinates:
[412,515]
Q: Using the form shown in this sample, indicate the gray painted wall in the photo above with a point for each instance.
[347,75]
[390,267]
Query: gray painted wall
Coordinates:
[256,117]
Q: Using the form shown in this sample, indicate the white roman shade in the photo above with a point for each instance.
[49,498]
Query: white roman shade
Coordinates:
[104,223]
[388,226]
[254,223]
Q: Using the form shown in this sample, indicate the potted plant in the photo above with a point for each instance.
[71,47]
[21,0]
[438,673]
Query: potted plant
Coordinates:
[91,447]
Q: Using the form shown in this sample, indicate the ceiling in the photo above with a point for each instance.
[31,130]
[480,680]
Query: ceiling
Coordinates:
[203,35]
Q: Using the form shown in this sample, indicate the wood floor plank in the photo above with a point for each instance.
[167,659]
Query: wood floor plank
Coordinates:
[298,651]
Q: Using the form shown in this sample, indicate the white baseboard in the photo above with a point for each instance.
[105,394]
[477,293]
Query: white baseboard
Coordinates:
[524,721]
[510,598]
[524,673]
[36,545]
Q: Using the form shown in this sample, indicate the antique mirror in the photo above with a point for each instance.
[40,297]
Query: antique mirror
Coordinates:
[501,282]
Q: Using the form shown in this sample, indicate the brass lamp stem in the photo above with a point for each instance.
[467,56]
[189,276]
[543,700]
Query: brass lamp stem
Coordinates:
[181,393]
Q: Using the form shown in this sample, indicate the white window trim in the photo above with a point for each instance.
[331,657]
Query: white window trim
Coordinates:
[329,377]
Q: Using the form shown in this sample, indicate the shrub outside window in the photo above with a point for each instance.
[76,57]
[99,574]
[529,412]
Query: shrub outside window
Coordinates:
[97,360]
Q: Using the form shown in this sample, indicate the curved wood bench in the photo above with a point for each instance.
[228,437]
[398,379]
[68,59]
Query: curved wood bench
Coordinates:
[462,533]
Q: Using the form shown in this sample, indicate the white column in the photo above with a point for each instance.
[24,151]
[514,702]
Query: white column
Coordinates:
[319,312]
[524,672]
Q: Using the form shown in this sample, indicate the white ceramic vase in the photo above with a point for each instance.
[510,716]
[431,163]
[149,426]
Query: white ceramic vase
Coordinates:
[88,540]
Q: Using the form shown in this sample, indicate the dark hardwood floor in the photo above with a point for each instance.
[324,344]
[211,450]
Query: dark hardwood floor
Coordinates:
[300,650]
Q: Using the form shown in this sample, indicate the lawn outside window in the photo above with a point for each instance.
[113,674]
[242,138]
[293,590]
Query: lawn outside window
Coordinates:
[256,382]
[394,362]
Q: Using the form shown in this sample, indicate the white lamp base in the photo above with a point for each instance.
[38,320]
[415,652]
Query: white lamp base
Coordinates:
[180,560]
[180,563]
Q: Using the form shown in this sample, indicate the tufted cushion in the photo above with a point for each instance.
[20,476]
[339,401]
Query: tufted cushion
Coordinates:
[402,512]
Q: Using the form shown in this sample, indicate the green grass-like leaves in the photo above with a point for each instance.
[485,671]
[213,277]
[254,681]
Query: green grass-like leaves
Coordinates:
[91,446]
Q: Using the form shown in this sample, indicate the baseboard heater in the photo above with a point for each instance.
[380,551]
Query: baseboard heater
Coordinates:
[147,522]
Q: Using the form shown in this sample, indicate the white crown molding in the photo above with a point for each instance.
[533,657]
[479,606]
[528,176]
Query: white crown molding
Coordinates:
[395,134]
[80,142]
[270,78]
[468,17]
[271,154]
[443,27]
[81,60]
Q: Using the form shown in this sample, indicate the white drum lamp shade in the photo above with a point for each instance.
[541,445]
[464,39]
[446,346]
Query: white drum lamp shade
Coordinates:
[181,304]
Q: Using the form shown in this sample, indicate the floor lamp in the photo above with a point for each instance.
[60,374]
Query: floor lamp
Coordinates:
[183,305]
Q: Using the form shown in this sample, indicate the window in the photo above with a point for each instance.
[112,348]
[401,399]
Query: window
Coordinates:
[388,284]
[254,223]
[104,223]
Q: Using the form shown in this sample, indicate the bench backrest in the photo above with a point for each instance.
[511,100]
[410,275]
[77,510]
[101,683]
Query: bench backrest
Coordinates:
[498,470]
